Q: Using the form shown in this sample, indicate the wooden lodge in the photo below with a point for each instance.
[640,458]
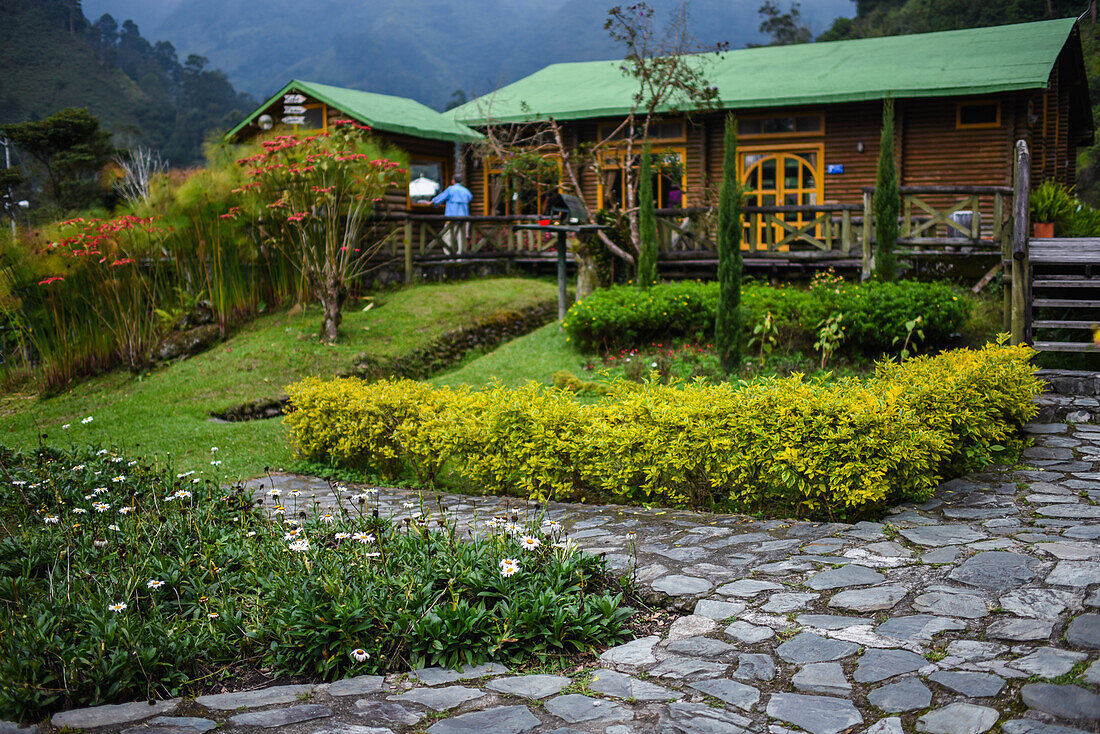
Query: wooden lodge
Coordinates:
[979,114]
[809,119]
[431,140]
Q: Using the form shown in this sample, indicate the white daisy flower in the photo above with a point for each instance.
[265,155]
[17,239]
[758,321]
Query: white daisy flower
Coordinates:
[343,536]
[116,528]
[52,519]
[529,542]
[120,606]
[154,584]
[127,510]
[328,517]
[359,655]
[86,421]
[274,492]
[299,546]
[79,511]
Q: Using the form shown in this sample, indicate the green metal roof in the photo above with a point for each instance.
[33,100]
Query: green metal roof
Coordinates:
[947,63]
[381,111]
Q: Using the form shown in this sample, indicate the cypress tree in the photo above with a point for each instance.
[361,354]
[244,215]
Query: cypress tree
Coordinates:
[727,336]
[647,222]
[886,199]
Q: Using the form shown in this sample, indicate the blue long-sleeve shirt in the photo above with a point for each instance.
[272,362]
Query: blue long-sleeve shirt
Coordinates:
[457,198]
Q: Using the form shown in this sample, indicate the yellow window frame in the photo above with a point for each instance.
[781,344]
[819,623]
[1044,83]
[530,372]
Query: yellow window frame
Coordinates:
[324,113]
[606,128]
[820,114]
[445,168]
[793,149]
[612,160]
[959,125]
[492,167]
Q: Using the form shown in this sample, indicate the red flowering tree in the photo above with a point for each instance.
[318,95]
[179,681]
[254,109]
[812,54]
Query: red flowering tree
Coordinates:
[313,197]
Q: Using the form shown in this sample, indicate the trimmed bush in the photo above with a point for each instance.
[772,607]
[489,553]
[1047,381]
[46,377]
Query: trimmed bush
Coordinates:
[874,313]
[786,446]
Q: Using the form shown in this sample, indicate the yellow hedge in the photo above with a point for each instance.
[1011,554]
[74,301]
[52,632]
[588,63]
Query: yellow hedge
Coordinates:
[779,446]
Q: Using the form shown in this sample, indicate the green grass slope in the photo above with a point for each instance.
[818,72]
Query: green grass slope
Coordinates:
[168,411]
[536,356]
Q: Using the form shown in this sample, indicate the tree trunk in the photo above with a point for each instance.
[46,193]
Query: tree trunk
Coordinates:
[333,294]
[588,278]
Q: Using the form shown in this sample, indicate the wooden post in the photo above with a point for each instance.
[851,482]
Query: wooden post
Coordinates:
[846,231]
[561,279]
[408,251]
[1021,304]
[867,230]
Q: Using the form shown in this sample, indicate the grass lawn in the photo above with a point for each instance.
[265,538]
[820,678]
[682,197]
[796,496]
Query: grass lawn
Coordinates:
[167,411]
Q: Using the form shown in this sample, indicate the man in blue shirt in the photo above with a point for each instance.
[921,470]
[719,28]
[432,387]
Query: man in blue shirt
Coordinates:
[457,199]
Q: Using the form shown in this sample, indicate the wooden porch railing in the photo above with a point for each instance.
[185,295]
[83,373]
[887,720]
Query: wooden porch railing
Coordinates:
[930,225]
[934,218]
[794,232]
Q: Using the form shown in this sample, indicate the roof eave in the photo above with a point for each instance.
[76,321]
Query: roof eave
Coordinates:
[472,136]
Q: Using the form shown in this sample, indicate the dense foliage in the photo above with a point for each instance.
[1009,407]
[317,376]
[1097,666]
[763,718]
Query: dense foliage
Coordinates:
[140,90]
[887,199]
[788,447]
[65,151]
[647,222]
[875,313]
[728,336]
[122,580]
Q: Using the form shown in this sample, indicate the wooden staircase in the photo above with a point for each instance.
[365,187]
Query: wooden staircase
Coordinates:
[1064,294]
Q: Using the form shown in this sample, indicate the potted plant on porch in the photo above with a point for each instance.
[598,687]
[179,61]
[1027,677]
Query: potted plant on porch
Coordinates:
[1051,204]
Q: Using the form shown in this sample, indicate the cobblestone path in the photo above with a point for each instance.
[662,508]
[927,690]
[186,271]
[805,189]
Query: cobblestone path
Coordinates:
[976,611]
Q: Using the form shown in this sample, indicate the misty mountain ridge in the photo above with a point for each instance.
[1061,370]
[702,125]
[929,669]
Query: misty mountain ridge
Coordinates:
[418,50]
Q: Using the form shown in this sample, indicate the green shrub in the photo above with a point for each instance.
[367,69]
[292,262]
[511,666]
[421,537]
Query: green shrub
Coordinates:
[624,316]
[875,313]
[245,590]
[786,446]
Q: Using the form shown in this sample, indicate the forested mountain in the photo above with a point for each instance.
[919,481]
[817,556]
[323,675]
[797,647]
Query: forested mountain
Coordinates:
[414,49]
[53,57]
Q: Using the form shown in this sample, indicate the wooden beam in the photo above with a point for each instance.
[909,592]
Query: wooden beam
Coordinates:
[986,278]
[1021,309]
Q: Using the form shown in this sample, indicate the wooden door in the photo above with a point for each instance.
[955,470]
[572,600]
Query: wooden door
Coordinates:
[779,176]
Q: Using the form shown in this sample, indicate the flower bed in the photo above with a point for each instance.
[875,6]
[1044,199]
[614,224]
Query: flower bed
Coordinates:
[789,446]
[122,580]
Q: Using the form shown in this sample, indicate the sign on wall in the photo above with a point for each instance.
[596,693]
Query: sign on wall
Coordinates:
[293,111]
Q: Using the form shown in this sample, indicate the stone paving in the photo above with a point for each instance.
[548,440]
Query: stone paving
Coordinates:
[976,611]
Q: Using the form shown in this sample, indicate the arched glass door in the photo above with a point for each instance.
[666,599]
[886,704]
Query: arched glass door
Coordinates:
[779,178]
